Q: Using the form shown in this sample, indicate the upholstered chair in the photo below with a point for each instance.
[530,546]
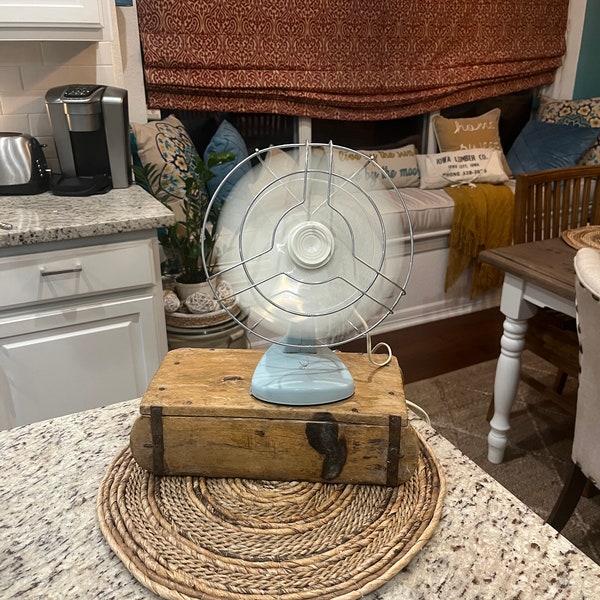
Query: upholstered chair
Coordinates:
[586,441]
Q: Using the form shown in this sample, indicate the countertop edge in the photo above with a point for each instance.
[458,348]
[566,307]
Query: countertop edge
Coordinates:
[47,218]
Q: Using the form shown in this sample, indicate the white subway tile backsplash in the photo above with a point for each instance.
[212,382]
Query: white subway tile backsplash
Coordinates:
[49,150]
[53,164]
[20,53]
[92,74]
[17,123]
[41,78]
[76,53]
[39,124]
[29,102]
[47,143]
[10,79]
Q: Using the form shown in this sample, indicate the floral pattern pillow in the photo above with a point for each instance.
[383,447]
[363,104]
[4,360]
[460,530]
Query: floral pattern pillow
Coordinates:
[166,145]
[581,113]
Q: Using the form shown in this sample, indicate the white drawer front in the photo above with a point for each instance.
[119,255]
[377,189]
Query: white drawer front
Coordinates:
[75,272]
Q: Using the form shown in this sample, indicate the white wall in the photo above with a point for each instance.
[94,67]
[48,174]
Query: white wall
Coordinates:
[564,83]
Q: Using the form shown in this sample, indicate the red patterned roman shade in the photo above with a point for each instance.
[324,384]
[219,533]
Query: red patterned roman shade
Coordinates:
[345,59]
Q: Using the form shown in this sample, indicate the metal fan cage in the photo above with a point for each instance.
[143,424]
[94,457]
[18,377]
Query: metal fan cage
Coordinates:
[305,246]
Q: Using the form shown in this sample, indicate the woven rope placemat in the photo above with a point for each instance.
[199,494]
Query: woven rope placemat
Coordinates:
[241,539]
[583,237]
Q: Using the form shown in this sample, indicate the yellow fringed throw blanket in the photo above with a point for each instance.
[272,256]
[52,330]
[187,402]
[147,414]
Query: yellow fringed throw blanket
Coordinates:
[483,219]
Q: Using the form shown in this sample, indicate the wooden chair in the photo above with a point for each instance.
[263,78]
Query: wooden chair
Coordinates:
[547,203]
[586,450]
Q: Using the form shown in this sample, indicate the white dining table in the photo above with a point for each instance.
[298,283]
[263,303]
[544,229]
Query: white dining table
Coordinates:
[536,274]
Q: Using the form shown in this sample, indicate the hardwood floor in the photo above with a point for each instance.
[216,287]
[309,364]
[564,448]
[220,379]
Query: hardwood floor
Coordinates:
[442,346]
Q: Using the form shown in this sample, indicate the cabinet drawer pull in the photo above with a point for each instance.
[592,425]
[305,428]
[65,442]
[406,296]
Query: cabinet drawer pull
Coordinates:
[45,273]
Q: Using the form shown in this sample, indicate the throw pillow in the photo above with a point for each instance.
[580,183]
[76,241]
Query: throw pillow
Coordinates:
[469,132]
[582,113]
[542,146]
[480,165]
[200,128]
[400,164]
[226,139]
[166,145]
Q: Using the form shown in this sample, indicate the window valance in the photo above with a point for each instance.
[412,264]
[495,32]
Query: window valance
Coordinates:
[345,59]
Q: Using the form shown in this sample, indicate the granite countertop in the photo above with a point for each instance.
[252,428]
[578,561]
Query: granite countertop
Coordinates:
[48,218]
[487,544]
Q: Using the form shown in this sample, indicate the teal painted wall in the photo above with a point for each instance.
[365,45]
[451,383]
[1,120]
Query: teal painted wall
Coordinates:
[587,77]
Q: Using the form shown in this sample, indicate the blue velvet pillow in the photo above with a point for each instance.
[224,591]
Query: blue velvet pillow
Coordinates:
[542,146]
[226,139]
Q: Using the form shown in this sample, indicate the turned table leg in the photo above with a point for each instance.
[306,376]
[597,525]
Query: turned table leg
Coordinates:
[505,386]
[517,310]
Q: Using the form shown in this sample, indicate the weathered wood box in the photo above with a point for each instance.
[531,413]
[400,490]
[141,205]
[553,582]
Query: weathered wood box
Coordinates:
[198,418]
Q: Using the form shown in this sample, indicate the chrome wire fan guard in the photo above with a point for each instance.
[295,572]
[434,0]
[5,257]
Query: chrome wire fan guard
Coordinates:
[302,244]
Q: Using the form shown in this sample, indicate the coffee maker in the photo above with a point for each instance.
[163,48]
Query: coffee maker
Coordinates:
[91,131]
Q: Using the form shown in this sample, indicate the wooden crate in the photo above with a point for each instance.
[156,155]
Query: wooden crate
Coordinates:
[198,418]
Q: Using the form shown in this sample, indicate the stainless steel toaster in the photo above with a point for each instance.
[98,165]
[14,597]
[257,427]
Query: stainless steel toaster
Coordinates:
[23,166]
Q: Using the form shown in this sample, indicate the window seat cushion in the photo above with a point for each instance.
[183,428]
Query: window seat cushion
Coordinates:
[431,211]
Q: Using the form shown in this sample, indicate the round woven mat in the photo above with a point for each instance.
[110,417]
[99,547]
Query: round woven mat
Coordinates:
[583,237]
[241,539]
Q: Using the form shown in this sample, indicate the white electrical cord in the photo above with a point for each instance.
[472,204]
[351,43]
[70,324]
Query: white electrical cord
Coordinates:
[370,351]
[420,411]
[415,407]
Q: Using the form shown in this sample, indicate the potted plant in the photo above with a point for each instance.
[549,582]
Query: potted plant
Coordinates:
[182,242]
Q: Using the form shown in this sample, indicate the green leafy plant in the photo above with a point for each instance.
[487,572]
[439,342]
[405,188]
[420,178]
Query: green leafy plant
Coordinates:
[182,241]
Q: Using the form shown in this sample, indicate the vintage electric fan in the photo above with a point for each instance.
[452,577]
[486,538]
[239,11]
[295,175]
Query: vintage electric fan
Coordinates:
[302,244]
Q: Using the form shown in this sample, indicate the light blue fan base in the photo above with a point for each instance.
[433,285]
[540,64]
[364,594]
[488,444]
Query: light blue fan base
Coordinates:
[301,377]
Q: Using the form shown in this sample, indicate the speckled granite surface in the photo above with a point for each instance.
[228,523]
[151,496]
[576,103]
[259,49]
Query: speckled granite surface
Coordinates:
[487,544]
[48,218]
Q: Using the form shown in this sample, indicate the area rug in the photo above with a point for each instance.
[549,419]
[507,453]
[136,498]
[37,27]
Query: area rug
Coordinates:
[537,458]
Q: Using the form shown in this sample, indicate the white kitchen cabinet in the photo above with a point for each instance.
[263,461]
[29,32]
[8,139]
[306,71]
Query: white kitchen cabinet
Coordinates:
[56,20]
[81,325]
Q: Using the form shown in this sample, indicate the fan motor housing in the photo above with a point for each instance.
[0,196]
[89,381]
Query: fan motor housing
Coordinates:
[311,244]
